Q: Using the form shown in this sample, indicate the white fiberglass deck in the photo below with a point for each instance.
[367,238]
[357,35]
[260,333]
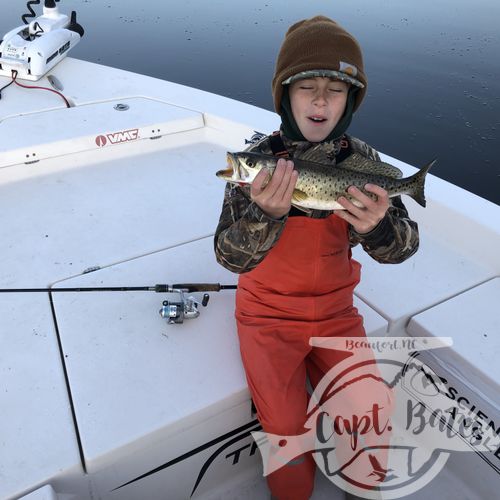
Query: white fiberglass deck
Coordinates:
[143,211]
[37,440]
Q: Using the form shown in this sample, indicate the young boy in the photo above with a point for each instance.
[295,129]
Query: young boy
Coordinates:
[296,272]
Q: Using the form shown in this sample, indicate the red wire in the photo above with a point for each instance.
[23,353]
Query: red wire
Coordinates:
[14,76]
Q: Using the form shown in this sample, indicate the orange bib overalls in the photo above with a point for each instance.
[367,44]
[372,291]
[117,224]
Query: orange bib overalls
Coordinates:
[303,288]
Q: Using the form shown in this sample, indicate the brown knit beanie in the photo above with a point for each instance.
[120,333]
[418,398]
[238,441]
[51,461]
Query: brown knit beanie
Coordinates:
[318,47]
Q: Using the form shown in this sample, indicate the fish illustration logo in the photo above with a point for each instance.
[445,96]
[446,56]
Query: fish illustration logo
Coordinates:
[379,471]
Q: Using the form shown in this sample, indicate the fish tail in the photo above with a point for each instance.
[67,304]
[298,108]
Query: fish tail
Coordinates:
[417,182]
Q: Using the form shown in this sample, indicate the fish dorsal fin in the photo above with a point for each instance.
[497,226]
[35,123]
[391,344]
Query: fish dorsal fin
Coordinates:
[316,155]
[359,163]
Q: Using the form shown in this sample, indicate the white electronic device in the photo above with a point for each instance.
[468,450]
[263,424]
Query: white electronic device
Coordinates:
[36,47]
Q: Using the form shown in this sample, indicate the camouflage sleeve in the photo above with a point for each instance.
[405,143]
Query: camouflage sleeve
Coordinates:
[395,238]
[245,234]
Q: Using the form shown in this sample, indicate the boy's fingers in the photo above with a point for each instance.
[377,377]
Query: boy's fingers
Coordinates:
[360,196]
[291,185]
[365,218]
[350,207]
[285,181]
[376,189]
[259,181]
[272,186]
[277,177]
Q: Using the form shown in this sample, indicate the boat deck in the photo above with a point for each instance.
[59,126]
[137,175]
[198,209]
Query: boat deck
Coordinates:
[99,397]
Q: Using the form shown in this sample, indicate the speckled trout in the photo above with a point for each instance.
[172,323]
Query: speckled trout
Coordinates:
[319,186]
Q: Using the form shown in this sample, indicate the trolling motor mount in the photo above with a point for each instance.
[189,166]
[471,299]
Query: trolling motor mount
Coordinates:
[34,48]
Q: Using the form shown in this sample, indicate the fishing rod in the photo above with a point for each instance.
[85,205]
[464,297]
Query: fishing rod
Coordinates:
[185,287]
[172,311]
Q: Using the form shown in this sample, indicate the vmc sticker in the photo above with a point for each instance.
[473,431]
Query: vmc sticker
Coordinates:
[117,137]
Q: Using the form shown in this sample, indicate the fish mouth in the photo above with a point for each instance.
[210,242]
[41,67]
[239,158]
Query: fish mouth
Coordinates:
[226,173]
[240,173]
[234,172]
[231,160]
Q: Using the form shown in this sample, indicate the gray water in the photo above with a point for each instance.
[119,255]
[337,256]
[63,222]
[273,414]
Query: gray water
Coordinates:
[433,66]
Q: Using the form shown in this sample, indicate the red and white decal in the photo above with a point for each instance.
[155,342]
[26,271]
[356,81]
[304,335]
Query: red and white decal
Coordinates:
[117,137]
[101,140]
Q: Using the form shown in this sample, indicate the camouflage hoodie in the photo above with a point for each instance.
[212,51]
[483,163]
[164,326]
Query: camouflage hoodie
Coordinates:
[245,234]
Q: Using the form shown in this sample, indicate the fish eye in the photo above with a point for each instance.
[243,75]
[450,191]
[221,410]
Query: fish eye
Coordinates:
[250,164]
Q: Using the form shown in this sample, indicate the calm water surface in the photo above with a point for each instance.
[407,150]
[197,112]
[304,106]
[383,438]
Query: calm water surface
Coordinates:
[432,66]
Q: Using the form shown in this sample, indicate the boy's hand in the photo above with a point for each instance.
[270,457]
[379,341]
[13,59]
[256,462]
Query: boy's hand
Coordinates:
[275,197]
[373,211]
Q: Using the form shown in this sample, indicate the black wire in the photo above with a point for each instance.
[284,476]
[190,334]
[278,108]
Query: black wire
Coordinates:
[36,87]
[31,12]
[3,88]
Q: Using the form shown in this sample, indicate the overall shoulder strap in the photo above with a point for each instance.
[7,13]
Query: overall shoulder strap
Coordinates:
[278,146]
[345,149]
